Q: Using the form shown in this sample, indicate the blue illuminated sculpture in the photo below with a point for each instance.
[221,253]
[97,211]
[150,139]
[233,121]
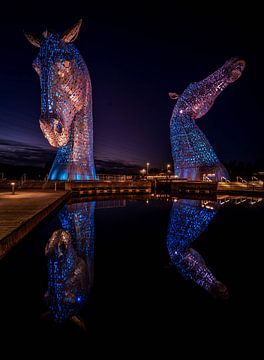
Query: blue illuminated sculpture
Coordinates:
[188,220]
[70,252]
[192,153]
[66,104]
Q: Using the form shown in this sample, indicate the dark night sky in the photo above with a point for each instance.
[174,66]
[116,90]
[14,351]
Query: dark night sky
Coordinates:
[136,54]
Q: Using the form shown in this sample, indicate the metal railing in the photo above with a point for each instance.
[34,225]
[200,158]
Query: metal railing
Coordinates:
[223,179]
[111,177]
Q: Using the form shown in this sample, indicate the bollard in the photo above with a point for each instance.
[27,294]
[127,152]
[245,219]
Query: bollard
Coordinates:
[13,188]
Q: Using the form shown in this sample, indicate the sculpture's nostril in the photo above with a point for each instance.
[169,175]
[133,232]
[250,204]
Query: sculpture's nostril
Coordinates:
[235,74]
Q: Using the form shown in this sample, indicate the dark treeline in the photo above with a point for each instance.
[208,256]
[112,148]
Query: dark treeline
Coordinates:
[235,168]
[245,169]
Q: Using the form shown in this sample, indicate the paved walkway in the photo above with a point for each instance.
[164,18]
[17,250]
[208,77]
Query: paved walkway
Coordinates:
[21,212]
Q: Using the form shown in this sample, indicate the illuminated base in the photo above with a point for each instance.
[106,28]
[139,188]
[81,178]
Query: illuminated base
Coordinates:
[72,172]
[215,172]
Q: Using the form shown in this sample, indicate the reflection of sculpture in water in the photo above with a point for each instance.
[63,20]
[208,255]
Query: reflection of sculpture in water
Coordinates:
[188,220]
[70,253]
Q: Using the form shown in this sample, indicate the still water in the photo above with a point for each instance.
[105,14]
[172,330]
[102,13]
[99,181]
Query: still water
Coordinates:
[137,271]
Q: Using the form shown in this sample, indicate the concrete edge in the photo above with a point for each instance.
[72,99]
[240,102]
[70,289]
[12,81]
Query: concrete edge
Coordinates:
[12,239]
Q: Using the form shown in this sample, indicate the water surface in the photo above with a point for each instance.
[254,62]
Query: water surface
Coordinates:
[141,272]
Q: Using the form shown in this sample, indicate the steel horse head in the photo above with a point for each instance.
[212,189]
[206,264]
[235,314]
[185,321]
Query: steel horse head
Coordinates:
[66,104]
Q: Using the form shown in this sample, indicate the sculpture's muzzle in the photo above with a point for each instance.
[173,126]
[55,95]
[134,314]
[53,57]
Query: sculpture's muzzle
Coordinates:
[236,68]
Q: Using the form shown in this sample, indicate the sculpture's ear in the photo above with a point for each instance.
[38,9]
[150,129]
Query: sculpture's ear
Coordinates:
[79,322]
[173,96]
[45,315]
[71,34]
[46,33]
[33,39]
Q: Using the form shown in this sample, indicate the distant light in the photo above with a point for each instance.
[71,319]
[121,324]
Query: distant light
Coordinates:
[78,299]
[13,183]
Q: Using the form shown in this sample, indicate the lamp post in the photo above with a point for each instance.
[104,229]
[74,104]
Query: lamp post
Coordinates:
[143,171]
[147,167]
[13,188]
[168,169]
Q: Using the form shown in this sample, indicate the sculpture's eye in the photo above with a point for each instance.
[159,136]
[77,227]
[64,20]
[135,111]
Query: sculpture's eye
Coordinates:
[61,73]
[59,128]
[64,68]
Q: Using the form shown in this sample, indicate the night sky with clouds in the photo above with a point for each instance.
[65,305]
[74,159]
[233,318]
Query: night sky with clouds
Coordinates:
[136,54]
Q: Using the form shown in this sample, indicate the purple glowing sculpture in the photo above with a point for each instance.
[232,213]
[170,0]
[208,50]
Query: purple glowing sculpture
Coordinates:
[188,220]
[70,254]
[192,153]
[66,104]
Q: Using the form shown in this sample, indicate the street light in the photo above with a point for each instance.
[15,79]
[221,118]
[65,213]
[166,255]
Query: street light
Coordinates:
[13,188]
[168,168]
[143,171]
[147,167]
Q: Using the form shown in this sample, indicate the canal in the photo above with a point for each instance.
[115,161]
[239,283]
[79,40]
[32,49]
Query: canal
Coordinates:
[136,271]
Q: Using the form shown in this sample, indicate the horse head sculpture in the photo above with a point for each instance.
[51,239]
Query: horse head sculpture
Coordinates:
[66,104]
[192,153]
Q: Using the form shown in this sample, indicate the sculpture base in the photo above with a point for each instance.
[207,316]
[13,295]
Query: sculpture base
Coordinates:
[72,172]
[215,172]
